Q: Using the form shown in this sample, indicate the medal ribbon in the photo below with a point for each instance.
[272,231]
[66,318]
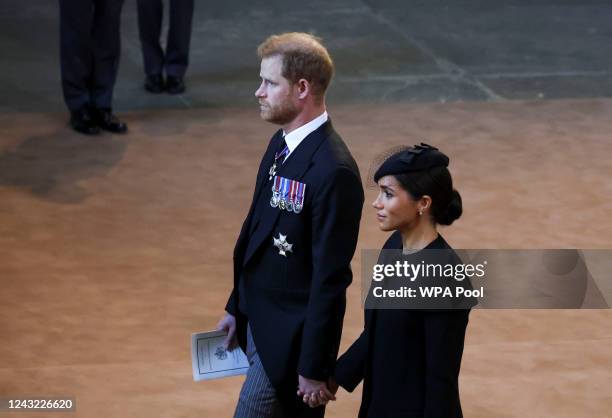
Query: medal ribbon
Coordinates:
[282,154]
[292,191]
[285,188]
[300,193]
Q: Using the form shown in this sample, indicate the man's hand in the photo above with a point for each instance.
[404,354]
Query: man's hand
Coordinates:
[332,385]
[228,323]
[314,392]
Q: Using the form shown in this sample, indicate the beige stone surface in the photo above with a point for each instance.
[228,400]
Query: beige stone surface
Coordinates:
[115,249]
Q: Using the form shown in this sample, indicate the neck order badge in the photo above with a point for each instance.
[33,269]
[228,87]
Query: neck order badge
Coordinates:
[279,158]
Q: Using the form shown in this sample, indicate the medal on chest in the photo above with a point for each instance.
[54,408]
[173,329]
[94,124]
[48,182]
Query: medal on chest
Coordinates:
[283,246]
[287,194]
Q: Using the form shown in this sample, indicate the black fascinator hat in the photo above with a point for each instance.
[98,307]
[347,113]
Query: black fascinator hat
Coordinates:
[416,158]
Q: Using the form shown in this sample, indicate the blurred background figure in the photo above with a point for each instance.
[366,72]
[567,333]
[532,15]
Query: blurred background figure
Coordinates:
[89,52]
[174,60]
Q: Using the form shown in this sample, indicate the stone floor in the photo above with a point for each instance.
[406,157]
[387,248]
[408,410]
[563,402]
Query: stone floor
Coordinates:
[115,249]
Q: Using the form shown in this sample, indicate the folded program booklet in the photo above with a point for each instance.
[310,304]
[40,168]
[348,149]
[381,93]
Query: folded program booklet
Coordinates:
[210,359]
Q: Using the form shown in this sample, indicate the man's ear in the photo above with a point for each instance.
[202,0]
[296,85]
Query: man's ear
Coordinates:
[303,88]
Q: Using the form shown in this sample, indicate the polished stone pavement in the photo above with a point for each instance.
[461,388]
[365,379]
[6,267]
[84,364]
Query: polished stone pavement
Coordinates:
[115,249]
[386,51]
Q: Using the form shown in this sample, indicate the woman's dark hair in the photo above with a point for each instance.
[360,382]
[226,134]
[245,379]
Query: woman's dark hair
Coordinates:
[437,183]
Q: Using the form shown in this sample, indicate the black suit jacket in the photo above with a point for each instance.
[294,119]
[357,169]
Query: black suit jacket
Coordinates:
[296,303]
[409,360]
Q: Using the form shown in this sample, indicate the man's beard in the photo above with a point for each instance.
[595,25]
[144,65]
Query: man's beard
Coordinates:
[280,114]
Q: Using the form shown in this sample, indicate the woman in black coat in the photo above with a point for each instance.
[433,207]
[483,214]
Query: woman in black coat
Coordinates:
[409,359]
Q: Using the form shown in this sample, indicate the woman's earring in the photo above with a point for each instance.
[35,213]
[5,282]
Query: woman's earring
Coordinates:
[420,212]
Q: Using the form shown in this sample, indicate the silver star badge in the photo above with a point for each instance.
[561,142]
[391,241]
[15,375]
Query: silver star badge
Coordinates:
[283,246]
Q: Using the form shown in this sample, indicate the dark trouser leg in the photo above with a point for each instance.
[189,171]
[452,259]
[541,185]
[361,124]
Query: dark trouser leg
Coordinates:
[107,51]
[179,37]
[150,14]
[76,57]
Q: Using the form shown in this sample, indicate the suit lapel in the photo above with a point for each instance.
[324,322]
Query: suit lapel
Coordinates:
[268,160]
[293,168]
[262,177]
[300,159]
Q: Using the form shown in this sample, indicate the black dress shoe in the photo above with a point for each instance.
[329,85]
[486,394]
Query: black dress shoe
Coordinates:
[82,121]
[154,83]
[175,85]
[106,120]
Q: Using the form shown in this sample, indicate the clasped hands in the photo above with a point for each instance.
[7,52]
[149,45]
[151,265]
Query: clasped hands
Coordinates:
[315,392]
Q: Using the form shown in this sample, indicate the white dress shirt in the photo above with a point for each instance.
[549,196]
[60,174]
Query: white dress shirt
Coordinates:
[295,137]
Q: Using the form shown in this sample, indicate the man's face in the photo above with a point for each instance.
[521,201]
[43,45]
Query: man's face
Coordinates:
[278,99]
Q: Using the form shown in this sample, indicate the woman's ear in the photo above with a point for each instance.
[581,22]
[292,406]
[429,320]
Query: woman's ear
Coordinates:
[424,203]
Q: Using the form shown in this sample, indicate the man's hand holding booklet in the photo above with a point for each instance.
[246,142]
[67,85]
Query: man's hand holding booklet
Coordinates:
[211,360]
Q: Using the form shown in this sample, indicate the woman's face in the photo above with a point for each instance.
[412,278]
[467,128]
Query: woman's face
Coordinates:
[395,207]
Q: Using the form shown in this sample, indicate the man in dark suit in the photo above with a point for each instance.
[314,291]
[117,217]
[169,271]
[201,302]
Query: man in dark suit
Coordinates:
[292,258]
[89,53]
[174,60]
